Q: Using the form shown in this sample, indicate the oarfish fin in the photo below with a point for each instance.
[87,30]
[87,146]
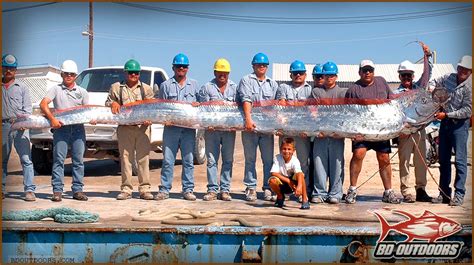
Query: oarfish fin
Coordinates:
[385,227]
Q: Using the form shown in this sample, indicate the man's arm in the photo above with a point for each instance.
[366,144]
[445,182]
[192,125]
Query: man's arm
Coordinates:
[243,91]
[47,112]
[112,100]
[466,106]
[161,93]
[427,68]
[249,124]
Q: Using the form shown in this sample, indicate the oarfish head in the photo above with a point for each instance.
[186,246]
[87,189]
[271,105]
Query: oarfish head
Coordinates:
[422,108]
[440,95]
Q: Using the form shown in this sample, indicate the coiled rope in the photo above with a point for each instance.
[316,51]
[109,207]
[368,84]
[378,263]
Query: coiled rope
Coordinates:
[60,215]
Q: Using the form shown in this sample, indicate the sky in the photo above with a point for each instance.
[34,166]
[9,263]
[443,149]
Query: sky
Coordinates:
[153,33]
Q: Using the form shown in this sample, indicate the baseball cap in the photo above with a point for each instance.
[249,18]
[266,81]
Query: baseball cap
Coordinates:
[466,62]
[365,63]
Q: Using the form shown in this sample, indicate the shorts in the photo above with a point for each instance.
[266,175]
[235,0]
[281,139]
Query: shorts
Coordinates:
[284,187]
[382,146]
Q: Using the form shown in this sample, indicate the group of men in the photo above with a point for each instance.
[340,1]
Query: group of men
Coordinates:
[324,154]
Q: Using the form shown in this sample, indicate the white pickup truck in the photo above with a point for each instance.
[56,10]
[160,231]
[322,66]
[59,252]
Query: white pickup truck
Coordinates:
[101,139]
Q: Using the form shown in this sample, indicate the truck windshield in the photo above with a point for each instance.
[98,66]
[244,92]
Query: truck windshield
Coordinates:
[99,80]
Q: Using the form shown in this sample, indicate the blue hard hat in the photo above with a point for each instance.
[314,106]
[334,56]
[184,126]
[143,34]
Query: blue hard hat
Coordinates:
[318,69]
[180,59]
[260,58]
[9,60]
[330,68]
[297,66]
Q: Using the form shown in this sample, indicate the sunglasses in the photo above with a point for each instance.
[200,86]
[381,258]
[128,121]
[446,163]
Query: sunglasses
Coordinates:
[298,73]
[69,74]
[8,69]
[261,65]
[181,66]
[365,70]
[406,75]
[318,76]
[133,73]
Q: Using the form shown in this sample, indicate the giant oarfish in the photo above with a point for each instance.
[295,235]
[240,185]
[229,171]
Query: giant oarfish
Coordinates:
[374,120]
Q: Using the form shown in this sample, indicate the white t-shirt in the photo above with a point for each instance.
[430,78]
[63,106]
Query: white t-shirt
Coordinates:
[286,169]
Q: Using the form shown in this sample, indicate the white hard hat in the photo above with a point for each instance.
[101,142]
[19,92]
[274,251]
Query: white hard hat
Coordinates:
[69,66]
[365,63]
[406,66]
[466,62]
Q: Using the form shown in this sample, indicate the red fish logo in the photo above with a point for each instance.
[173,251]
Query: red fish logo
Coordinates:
[428,226]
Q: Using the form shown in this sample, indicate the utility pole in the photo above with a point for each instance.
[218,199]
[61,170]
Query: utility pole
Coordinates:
[91,35]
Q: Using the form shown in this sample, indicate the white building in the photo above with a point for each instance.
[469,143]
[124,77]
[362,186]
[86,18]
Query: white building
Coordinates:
[349,73]
[39,79]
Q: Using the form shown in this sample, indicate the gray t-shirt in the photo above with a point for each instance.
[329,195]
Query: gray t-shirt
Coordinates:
[15,100]
[335,92]
[64,98]
[379,89]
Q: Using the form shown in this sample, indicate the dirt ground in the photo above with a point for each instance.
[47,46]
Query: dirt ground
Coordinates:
[102,184]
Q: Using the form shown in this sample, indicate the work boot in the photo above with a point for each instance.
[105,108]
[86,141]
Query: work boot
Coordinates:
[124,196]
[80,196]
[250,195]
[161,196]
[57,196]
[389,197]
[189,196]
[408,198]
[422,196]
[30,196]
[146,195]
[210,196]
[225,196]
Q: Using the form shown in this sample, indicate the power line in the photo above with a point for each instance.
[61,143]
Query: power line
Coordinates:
[403,34]
[27,7]
[307,20]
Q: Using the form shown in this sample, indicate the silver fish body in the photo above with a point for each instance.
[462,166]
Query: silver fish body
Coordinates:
[405,114]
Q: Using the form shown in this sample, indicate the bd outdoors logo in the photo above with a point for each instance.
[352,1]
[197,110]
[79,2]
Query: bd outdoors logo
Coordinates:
[426,229]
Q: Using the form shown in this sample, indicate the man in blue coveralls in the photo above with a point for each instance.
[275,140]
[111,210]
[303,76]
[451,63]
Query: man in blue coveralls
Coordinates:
[256,87]
[180,88]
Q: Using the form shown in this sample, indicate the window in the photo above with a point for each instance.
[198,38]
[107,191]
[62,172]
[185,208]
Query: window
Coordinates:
[99,80]
[159,78]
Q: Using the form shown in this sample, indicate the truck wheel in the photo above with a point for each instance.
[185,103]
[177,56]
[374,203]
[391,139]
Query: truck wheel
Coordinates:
[42,160]
[199,148]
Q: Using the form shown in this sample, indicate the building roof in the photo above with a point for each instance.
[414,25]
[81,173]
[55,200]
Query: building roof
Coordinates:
[350,72]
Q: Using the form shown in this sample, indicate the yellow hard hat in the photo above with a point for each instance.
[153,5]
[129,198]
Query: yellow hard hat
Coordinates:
[222,65]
